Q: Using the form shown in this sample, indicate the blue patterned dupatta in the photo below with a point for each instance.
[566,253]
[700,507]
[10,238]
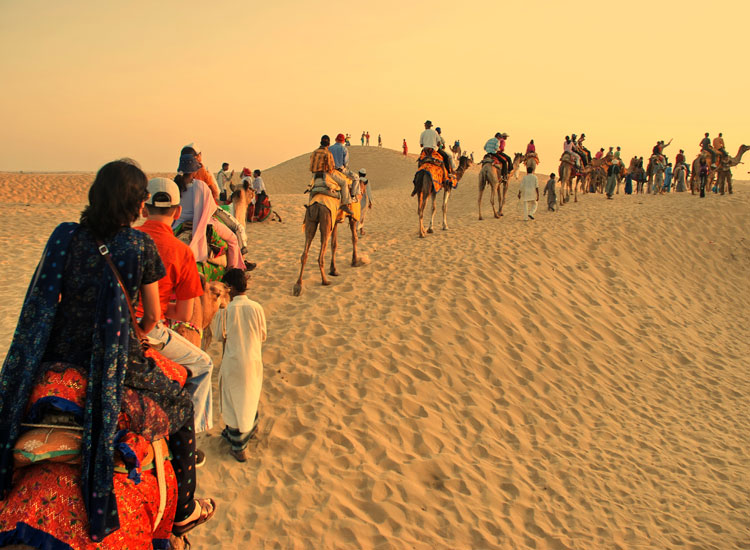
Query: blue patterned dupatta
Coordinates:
[106,374]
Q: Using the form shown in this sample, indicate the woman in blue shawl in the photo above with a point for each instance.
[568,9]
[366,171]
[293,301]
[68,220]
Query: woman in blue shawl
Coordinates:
[75,314]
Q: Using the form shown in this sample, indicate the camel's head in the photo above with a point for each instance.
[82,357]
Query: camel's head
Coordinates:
[218,293]
[464,161]
[518,156]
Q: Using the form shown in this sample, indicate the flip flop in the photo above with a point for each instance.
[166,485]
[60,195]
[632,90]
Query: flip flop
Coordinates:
[207,510]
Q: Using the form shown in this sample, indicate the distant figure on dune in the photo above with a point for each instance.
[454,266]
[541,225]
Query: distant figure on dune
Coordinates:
[405,147]
[362,139]
[380,141]
[367,138]
[668,177]
[612,172]
[528,194]
[549,191]
[348,140]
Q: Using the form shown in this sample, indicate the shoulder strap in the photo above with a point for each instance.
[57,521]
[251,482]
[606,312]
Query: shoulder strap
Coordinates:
[104,251]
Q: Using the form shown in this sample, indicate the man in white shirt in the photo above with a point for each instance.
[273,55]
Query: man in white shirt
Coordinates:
[429,138]
[529,194]
[224,180]
[260,192]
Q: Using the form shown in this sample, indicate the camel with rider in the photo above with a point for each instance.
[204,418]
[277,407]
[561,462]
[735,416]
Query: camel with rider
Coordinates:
[323,214]
[491,174]
[722,169]
[429,179]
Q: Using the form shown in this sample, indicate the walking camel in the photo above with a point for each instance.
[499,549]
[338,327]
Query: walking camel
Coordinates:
[428,180]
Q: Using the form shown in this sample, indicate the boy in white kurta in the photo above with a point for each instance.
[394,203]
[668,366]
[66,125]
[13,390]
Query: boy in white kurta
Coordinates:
[242,326]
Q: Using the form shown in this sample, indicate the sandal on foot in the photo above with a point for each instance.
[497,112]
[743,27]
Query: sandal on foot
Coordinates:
[207,510]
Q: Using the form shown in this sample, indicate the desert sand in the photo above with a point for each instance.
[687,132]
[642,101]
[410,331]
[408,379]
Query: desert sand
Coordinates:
[576,382]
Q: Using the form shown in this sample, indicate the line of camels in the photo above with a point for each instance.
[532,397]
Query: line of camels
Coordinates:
[431,178]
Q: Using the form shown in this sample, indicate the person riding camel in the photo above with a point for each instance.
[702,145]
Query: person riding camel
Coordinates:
[680,158]
[341,157]
[568,145]
[719,147]
[447,160]
[706,146]
[429,141]
[501,151]
[585,153]
[492,148]
[326,179]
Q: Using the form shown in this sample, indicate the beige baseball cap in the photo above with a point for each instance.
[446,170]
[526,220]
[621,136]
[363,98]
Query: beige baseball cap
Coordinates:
[164,192]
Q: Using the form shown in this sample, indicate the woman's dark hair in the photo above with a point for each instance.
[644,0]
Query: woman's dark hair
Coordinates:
[115,198]
[235,279]
[181,182]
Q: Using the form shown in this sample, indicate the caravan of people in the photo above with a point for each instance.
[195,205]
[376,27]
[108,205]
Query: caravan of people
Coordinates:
[254,295]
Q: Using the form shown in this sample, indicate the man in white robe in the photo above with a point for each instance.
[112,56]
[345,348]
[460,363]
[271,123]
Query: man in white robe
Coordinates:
[242,326]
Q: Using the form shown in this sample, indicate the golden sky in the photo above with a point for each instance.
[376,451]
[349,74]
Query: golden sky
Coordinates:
[256,83]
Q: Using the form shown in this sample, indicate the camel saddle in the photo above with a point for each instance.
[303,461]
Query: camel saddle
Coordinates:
[489,159]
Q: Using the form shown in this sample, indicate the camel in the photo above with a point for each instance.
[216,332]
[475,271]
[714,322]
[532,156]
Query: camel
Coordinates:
[725,165]
[317,216]
[513,173]
[356,261]
[242,198]
[456,150]
[424,188]
[490,175]
[531,161]
[680,177]
[197,330]
[567,173]
[637,174]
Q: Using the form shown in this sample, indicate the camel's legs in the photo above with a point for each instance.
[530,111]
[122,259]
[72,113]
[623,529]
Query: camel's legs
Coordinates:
[446,196]
[334,246]
[421,203]
[433,196]
[324,236]
[310,229]
[353,227]
[479,200]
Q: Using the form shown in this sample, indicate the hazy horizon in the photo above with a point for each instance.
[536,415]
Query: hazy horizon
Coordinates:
[257,85]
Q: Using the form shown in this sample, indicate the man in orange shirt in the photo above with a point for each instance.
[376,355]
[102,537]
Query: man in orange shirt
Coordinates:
[183,282]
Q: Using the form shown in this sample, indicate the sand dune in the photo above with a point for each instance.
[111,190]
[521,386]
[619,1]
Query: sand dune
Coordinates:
[576,382]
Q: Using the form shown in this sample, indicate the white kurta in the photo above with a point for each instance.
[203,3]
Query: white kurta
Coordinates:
[243,327]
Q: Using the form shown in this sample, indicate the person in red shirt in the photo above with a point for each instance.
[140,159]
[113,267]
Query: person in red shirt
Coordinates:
[183,282]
